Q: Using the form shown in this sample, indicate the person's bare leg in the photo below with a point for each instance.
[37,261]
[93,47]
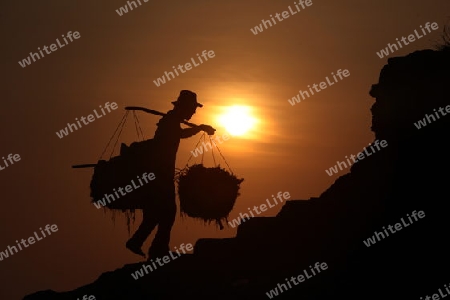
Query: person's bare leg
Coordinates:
[149,222]
[167,213]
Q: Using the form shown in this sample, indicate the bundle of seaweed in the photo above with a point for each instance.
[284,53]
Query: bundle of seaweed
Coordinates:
[123,170]
[120,171]
[208,194]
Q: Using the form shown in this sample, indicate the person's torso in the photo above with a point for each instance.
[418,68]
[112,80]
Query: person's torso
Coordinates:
[167,140]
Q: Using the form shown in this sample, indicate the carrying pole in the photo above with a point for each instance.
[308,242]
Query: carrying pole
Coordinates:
[155,112]
[150,111]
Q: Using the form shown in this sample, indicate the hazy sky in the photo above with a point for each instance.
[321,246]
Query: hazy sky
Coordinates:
[117,58]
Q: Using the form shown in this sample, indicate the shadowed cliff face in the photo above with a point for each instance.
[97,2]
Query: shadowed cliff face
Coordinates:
[409,87]
[409,175]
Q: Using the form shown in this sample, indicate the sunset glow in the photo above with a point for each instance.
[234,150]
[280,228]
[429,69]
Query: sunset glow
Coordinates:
[237,120]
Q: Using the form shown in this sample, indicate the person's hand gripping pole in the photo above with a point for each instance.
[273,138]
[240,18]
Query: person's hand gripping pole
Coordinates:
[206,128]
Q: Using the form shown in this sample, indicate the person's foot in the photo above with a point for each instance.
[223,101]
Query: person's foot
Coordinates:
[172,256]
[153,254]
[135,248]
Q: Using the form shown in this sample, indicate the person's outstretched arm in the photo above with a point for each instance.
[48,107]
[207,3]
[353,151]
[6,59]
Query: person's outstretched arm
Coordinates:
[188,132]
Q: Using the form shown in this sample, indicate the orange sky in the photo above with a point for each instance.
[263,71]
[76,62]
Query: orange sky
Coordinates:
[118,57]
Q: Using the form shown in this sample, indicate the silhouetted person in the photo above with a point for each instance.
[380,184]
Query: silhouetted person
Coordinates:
[162,210]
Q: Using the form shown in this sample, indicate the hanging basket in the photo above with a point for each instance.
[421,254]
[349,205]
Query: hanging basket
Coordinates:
[208,194]
[128,169]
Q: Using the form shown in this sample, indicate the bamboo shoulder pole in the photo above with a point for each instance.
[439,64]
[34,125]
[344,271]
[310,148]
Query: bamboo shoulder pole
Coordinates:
[155,112]
[150,111]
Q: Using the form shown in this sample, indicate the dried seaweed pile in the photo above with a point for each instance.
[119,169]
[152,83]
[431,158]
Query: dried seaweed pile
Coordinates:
[208,194]
[123,170]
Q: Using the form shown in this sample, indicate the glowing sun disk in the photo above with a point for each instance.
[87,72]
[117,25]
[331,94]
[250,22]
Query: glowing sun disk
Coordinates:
[237,120]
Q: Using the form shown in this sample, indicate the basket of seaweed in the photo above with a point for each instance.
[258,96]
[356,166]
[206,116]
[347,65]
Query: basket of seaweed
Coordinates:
[208,194]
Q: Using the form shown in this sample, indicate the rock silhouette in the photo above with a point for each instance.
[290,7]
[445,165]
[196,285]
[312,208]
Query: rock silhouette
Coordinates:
[410,174]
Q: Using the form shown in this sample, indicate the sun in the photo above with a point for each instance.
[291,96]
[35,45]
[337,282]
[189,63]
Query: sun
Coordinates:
[237,120]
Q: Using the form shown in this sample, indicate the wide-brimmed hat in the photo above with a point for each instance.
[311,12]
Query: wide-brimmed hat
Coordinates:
[187,98]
